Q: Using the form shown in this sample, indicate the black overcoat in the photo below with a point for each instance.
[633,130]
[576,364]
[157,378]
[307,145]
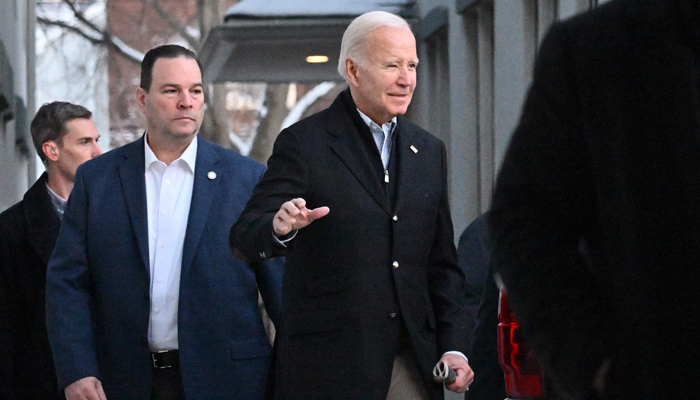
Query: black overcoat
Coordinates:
[28,232]
[352,276]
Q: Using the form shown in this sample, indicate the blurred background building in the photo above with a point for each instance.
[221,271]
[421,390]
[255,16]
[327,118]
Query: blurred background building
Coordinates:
[476,59]
[17,94]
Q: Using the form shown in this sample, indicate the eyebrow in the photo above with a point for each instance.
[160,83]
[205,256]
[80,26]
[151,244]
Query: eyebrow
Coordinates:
[88,137]
[396,60]
[198,84]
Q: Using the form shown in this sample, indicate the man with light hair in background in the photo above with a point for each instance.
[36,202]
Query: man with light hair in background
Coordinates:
[356,198]
[64,137]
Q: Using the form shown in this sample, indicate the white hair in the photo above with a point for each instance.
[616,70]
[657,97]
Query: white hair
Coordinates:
[355,35]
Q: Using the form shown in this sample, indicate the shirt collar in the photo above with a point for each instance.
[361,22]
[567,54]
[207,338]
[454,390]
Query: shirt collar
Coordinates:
[189,156]
[386,127]
[58,202]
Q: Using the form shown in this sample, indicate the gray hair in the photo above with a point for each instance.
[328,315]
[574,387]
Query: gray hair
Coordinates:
[355,35]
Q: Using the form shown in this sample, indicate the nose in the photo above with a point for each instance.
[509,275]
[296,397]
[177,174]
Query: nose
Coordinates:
[96,150]
[406,76]
[184,102]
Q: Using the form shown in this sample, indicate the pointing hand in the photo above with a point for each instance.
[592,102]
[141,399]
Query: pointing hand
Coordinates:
[294,215]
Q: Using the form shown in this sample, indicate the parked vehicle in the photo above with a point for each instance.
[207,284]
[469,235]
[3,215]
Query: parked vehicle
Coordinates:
[523,374]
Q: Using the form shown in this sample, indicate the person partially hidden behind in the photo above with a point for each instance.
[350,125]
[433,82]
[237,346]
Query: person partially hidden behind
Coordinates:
[64,137]
[144,298]
[474,256]
[595,219]
[356,198]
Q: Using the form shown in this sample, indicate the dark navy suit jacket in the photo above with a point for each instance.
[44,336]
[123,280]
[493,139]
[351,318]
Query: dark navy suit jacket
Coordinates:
[98,281]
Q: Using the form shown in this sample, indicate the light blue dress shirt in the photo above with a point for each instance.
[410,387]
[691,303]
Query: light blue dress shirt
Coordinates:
[58,202]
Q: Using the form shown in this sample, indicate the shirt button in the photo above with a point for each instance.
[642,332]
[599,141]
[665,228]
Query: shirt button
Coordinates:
[392,315]
[162,246]
[396,218]
[167,181]
[159,279]
[165,213]
[395,264]
[157,311]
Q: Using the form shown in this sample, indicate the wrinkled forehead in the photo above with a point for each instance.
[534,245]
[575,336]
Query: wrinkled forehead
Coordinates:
[390,42]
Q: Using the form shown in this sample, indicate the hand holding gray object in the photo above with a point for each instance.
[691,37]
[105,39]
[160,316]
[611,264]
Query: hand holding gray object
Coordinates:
[442,373]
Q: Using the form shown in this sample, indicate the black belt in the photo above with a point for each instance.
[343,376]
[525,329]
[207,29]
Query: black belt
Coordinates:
[165,359]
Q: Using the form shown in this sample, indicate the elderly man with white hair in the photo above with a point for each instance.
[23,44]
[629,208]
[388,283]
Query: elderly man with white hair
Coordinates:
[355,197]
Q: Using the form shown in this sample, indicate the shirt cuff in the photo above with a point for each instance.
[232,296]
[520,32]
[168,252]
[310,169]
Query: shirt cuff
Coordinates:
[283,241]
[459,353]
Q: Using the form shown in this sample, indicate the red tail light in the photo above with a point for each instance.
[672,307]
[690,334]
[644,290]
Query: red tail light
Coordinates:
[523,374]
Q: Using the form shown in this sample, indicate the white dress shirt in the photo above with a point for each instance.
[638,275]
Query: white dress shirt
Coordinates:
[168,196]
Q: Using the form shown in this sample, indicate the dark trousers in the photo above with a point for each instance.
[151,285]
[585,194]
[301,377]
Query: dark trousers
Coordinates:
[167,379]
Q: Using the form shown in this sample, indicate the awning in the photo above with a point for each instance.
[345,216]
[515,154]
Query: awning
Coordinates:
[270,40]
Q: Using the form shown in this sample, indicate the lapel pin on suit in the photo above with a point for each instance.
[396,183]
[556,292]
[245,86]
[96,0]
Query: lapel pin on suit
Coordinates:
[211,175]
[415,150]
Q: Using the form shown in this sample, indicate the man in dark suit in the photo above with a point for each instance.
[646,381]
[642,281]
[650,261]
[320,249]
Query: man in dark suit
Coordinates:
[474,255]
[356,198]
[596,214]
[144,298]
[64,137]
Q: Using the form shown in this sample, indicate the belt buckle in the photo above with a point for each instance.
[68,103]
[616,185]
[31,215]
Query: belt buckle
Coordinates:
[155,362]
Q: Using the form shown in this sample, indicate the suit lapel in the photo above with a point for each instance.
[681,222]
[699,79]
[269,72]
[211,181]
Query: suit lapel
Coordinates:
[41,219]
[133,181]
[409,163]
[356,148]
[203,193]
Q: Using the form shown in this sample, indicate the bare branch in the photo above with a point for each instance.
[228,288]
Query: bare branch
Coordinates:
[99,37]
[79,15]
[174,23]
[68,27]
[104,38]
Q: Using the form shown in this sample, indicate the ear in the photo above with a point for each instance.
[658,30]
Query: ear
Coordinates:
[351,72]
[141,98]
[50,149]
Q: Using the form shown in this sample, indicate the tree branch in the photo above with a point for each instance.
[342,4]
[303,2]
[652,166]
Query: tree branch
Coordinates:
[174,23]
[70,28]
[79,15]
[104,38]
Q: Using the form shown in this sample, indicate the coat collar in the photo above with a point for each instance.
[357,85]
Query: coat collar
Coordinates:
[356,148]
[410,161]
[133,181]
[41,219]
